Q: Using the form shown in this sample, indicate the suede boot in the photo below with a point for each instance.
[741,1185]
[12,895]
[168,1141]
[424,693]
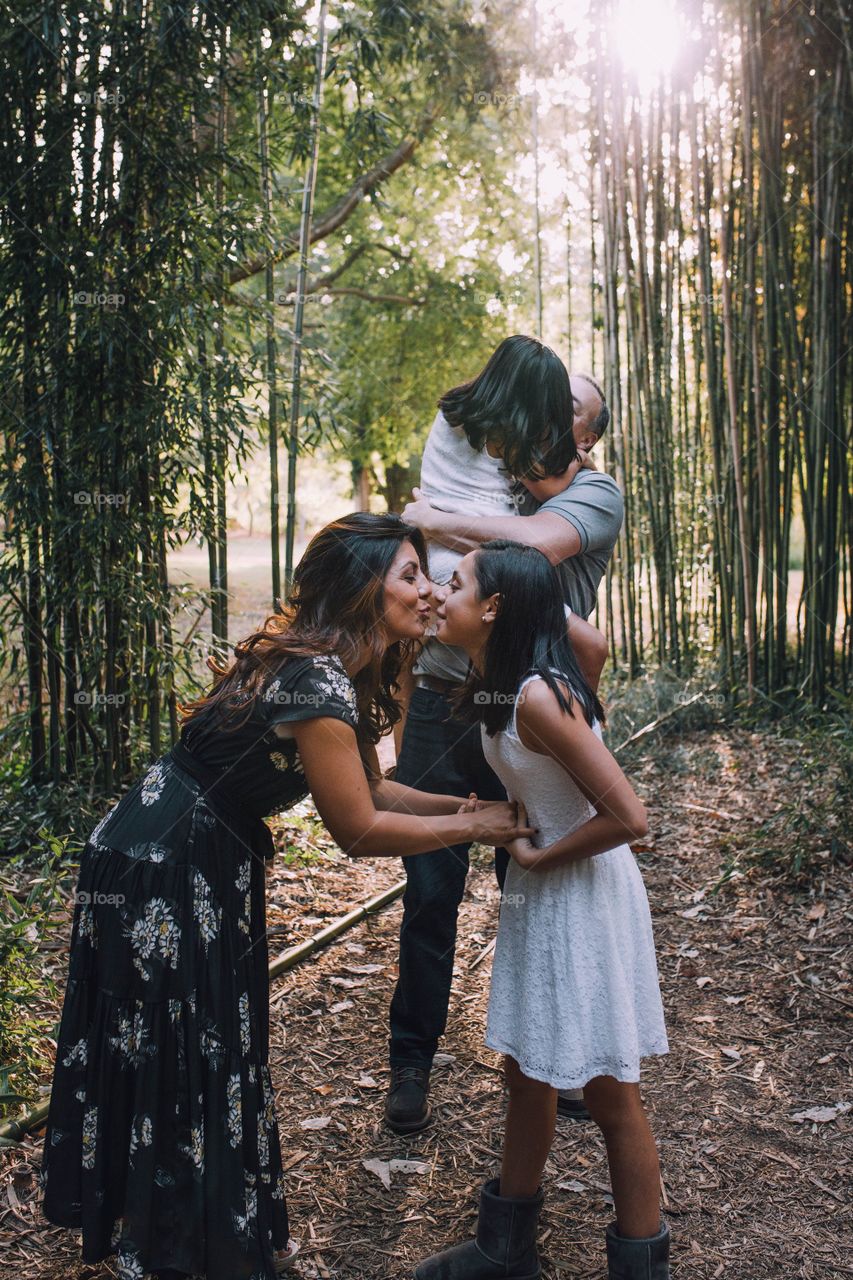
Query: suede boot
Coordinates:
[505,1246]
[629,1259]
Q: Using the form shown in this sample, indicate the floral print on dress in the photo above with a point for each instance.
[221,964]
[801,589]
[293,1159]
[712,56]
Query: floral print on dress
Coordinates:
[245,1030]
[337,683]
[90,1135]
[271,693]
[206,913]
[147,852]
[243,882]
[285,762]
[141,1133]
[266,1126]
[234,1119]
[129,1266]
[86,925]
[94,838]
[130,1039]
[77,1055]
[154,934]
[153,783]
[243,1221]
[194,1149]
[211,1046]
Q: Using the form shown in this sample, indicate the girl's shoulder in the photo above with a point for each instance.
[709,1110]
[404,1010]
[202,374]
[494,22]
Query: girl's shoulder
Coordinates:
[537,701]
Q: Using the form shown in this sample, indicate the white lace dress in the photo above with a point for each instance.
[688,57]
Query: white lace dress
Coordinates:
[575,990]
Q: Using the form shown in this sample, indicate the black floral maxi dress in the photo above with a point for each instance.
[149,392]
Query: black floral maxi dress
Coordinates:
[162,1143]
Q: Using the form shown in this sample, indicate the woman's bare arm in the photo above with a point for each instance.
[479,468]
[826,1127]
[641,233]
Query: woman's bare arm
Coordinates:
[394,797]
[338,784]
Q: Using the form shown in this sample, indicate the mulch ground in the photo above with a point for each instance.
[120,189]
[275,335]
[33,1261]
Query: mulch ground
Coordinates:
[756,989]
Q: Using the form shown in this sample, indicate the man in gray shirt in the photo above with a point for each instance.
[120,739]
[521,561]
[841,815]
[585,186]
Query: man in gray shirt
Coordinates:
[467,498]
[574,518]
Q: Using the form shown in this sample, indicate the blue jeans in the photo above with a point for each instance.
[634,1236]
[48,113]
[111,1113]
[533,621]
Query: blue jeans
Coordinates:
[442,756]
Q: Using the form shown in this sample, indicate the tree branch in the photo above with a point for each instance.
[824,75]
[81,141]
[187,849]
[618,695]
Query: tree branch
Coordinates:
[379,297]
[339,212]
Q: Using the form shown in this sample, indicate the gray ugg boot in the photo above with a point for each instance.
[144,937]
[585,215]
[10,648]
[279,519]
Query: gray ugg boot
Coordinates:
[629,1259]
[505,1247]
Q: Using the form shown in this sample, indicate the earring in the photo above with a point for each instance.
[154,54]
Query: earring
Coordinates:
[485,619]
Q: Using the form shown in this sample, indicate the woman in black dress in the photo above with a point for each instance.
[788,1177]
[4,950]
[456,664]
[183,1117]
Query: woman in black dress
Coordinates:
[162,1143]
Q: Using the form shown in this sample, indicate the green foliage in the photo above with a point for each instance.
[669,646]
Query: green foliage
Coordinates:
[31,809]
[811,833]
[25,917]
[132,268]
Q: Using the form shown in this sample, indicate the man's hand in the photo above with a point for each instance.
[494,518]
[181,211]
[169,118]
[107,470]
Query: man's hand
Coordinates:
[419,513]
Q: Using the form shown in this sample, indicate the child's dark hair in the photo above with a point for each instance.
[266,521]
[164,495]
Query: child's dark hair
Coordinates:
[529,636]
[521,401]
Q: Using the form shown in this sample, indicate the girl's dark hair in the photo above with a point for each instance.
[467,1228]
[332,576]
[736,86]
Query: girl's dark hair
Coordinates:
[522,403]
[528,636]
[336,603]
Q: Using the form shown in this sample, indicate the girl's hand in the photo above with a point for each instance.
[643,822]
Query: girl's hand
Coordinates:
[471,805]
[499,824]
[521,850]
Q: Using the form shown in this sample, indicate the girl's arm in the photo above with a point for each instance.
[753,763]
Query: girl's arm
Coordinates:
[336,779]
[619,815]
[394,797]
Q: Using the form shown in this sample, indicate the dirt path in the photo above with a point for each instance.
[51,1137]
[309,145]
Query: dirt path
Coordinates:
[758,1008]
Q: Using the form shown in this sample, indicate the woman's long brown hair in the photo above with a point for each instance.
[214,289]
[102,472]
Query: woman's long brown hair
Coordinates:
[336,604]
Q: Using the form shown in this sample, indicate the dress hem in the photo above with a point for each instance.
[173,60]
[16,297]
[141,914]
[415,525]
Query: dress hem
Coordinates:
[625,1075]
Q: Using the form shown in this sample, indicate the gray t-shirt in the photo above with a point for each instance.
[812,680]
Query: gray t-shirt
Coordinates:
[456,477]
[593,503]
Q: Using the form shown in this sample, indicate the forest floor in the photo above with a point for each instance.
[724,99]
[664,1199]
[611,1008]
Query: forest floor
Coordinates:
[751,1108]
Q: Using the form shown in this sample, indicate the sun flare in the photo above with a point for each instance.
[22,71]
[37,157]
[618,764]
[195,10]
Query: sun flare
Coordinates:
[648,36]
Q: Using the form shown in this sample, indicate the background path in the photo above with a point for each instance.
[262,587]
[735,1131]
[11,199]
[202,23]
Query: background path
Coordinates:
[758,1004]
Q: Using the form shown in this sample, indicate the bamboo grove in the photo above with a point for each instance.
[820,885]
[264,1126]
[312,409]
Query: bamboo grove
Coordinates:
[152,169]
[723,220]
[156,174]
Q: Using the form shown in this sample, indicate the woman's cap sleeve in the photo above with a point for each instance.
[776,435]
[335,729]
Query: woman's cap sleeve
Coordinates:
[316,687]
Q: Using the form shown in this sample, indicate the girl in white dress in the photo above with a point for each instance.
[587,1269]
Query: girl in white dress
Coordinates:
[575,1000]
